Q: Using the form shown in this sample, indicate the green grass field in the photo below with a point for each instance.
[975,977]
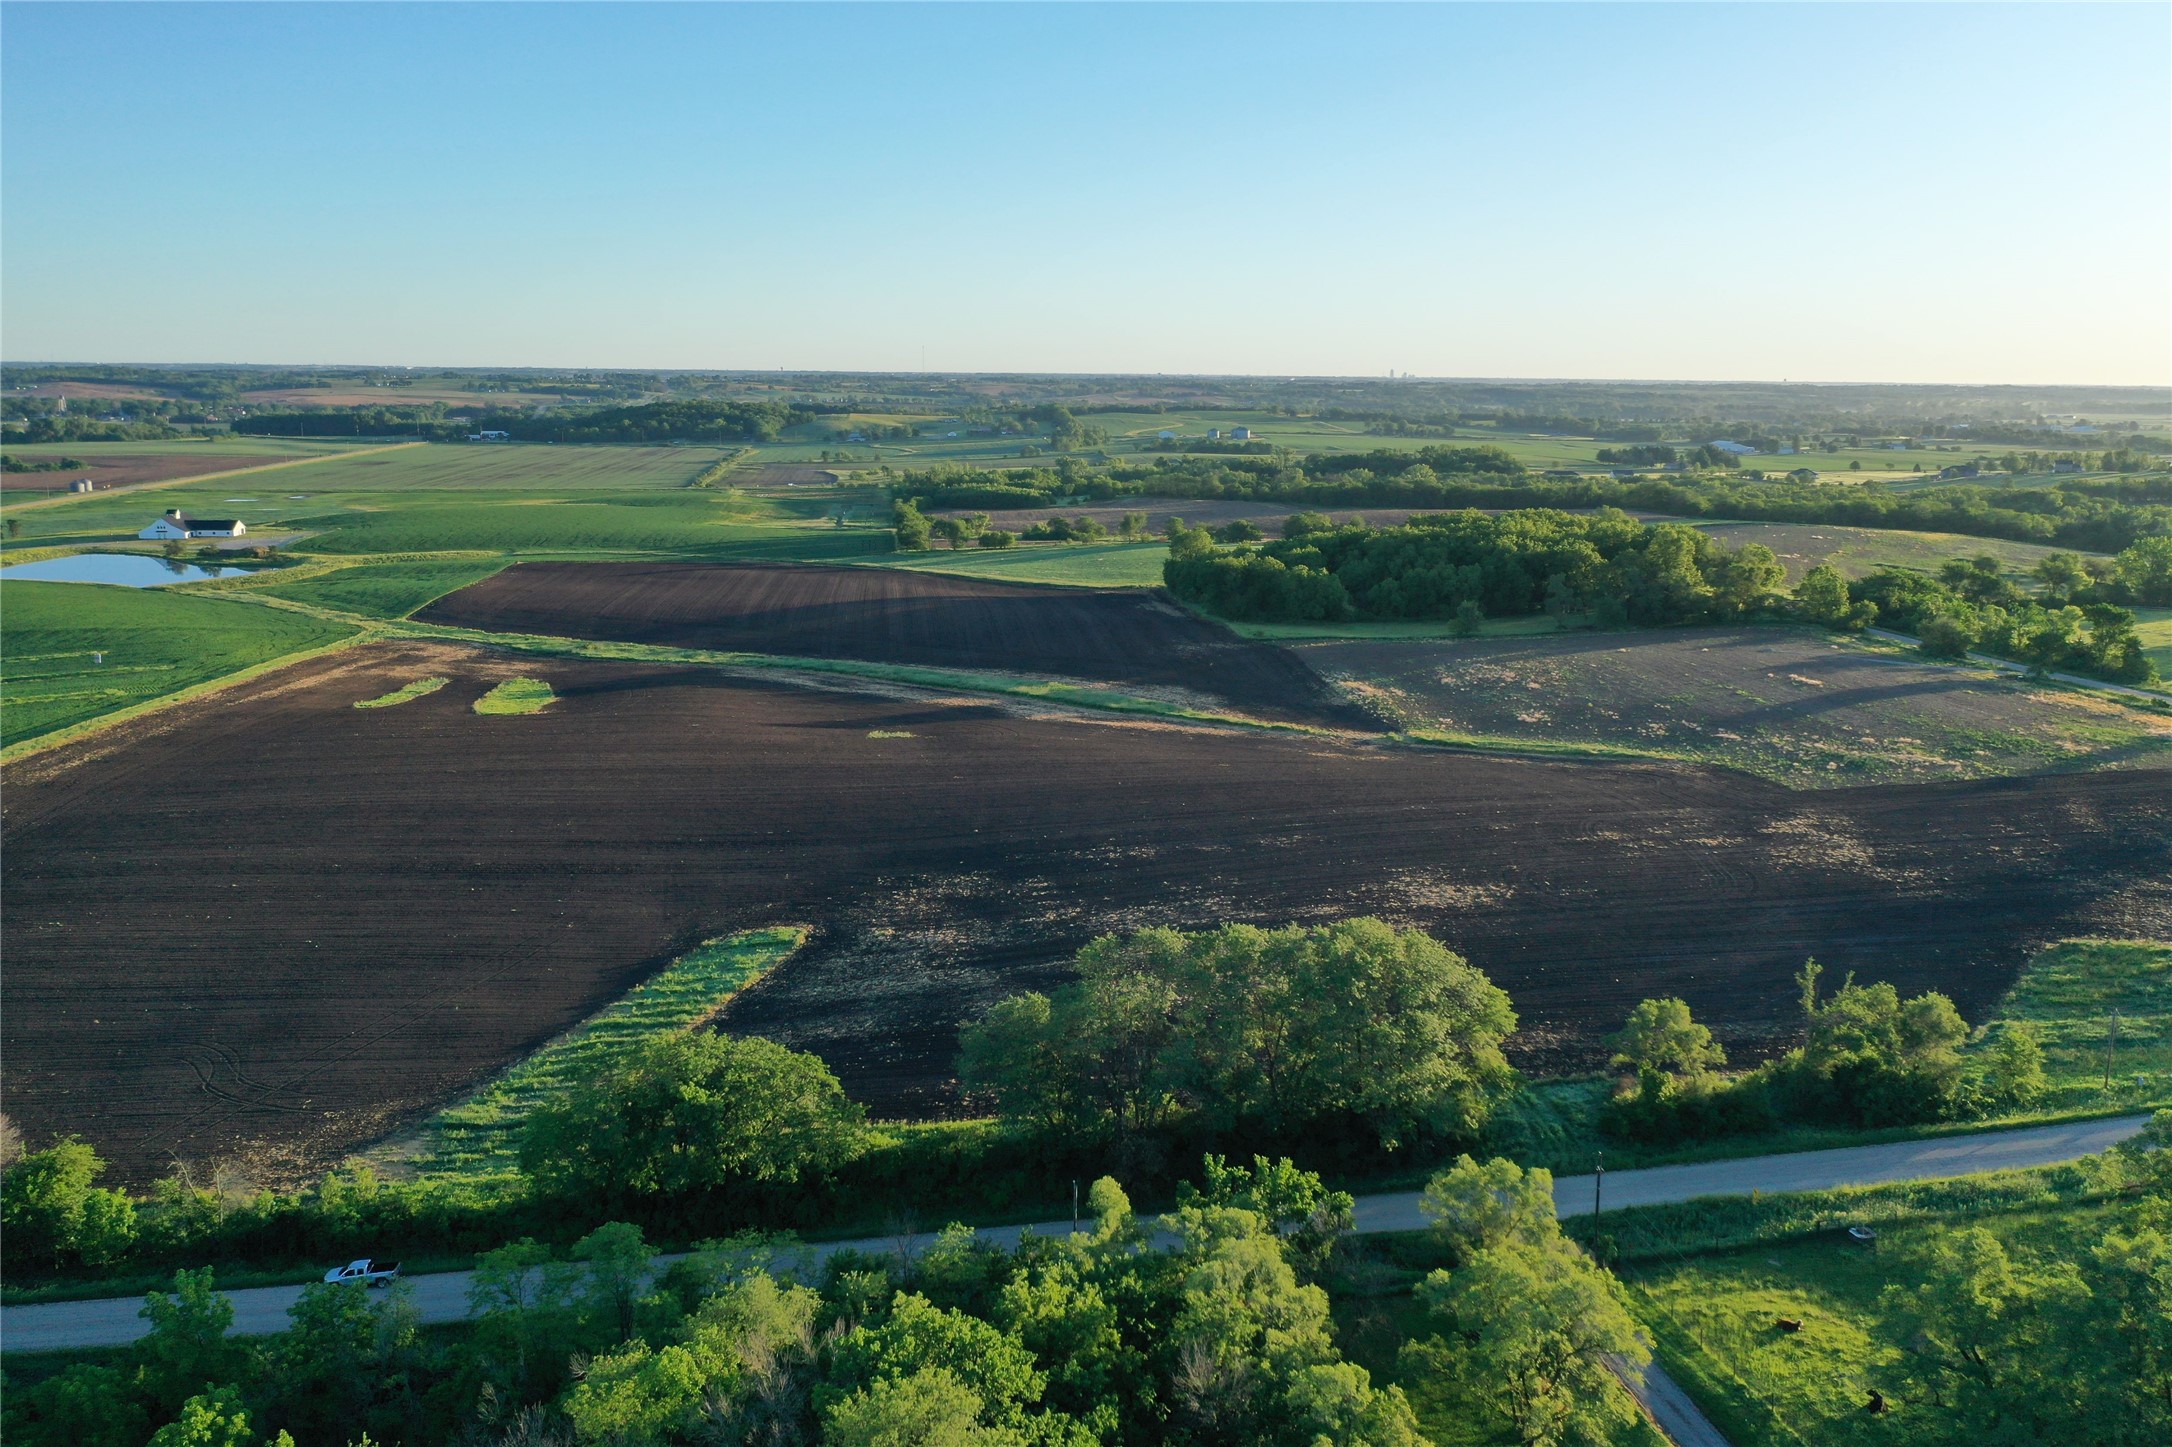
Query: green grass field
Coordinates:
[2070,992]
[481,1134]
[1714,1320]
[2155,627]
[1080,565]
[385,590]
[155,642]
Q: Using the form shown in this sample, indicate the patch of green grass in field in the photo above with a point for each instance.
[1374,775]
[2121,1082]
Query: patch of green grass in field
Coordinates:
[1078,565]
[481,1134]
[1715,1318]
[154,643]
[405,693]
[517,695]
[386,590]
[2069,993]
[2154,627]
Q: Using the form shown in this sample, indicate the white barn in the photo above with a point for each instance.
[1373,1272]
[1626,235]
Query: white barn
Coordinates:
[176,524]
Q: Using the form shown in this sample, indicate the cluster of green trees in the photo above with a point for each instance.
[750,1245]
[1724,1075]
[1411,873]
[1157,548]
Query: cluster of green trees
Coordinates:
[1606,566]
[54,464]
[2000,1345]
[1220,1336]
[1354,1033]
[1209,1327]
[2076,621]
[1867,1058]
[689,420]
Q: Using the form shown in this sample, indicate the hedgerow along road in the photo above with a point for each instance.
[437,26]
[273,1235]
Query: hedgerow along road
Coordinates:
[443,1296]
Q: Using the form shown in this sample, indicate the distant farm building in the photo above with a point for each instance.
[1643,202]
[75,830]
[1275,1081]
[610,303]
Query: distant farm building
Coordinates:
[488,435]
[1214,434]
[82,484]
[1166,435]
[177,524]
[1733,449]
[2066,464]
[1242,434]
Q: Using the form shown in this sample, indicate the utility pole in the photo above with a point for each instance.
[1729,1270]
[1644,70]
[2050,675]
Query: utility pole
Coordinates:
[1598,1181]
[1074,1205]
[2111,1047]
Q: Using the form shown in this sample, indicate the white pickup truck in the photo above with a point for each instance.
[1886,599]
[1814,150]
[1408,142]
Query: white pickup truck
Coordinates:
[366,1271]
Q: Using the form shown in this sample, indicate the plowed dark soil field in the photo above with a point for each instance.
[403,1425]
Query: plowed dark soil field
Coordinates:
[883,615]
[274,926]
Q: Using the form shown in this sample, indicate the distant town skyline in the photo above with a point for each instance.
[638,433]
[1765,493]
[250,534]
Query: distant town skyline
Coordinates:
[1869,193]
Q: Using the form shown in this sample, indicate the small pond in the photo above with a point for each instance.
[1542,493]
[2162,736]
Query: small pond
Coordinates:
[130,570]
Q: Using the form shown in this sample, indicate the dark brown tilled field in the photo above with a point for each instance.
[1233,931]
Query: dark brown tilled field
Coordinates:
[888,615]
[275,926]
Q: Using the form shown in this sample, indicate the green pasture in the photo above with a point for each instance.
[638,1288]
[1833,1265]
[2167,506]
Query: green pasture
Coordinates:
[1714,1322]
[1079,565]
[2155,627]
[155,642]
[481,1134]
[2069,994]
[385,590]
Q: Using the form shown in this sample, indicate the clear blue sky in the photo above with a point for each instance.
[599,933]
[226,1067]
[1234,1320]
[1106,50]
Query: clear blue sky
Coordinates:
[1859,192]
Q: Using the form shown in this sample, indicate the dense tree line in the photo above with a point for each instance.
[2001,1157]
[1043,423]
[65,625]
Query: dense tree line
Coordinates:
[1867,1057]
[1607,566]
[1209,1327]
[2077,622]
[1354,1032]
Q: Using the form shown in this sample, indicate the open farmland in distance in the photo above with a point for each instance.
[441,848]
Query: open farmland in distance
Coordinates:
[1859,552]
[336,919]
[128,464]
[887,615]
[687,521]
[152,642]
[510,466]
[1792,705]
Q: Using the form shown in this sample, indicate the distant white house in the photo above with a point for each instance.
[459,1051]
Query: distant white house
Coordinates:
[1732,449]
[1166,435]
[1242,434]
[490,436]
[177,524]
